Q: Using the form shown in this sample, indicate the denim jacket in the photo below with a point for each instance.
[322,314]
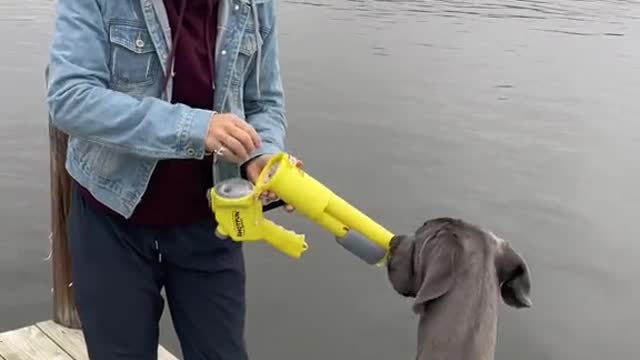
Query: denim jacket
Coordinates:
[105,77]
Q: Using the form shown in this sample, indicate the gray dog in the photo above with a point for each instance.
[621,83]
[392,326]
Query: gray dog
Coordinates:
[457,272]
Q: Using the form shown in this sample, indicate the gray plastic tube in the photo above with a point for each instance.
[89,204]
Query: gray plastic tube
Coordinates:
[362,247]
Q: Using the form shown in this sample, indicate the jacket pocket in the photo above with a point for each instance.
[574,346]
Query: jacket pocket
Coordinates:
[133,57]
[247,51]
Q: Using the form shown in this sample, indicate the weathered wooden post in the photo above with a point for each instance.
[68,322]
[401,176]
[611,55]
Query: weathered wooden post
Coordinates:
[64,307]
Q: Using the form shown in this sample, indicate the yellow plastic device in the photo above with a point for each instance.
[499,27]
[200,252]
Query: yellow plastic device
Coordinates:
[238,211]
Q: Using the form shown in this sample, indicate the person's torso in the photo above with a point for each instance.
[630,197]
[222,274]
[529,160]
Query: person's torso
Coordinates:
[139,41]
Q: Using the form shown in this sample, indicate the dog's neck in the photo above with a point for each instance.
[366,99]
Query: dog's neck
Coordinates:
[462,324]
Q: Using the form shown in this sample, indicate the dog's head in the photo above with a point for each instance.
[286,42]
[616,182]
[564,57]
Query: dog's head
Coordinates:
[423,265]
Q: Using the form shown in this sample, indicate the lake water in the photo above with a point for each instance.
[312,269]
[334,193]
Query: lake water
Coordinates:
[519,115]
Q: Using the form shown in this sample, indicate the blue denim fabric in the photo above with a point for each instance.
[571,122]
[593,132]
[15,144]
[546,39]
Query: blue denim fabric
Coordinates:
[106,70]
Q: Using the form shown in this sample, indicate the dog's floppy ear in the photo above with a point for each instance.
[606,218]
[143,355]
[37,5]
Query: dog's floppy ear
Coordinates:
[438,258]
[514,278]
[400,265]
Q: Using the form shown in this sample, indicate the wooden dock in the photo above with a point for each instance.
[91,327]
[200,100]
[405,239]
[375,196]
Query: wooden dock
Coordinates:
[49,341]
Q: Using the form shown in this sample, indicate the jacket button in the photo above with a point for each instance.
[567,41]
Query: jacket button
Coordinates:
[190,152]
[140,43]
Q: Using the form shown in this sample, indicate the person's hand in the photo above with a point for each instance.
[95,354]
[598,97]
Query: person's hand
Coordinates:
[254,168]
[231,137]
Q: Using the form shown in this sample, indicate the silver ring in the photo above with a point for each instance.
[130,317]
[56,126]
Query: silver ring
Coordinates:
[219,151]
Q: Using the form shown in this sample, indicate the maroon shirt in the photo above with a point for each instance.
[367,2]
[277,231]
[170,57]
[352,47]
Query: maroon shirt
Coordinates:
[176,192]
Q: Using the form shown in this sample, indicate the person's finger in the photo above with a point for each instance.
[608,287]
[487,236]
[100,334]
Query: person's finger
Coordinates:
[233,145]
[243,138]
[225,153]
[249,130]
[298,163]
[289,208]
[268,197]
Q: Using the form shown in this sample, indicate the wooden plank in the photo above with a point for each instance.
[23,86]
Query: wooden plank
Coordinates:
[72,341]
[164,354]
[30,343]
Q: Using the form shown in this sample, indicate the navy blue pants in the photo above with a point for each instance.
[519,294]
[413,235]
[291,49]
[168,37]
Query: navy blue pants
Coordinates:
[119,270]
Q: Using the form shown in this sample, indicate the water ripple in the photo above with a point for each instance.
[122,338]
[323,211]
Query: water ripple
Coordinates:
[611,15]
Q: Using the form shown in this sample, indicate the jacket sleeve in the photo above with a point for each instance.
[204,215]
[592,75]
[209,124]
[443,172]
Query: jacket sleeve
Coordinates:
[81,104]
[265,109]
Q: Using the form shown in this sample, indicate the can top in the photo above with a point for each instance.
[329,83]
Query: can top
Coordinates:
[234,188]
